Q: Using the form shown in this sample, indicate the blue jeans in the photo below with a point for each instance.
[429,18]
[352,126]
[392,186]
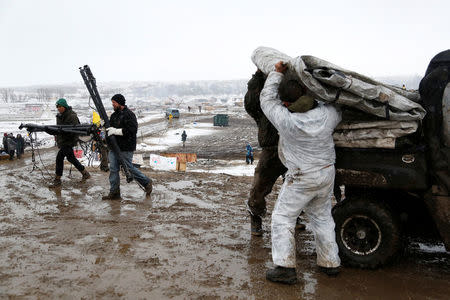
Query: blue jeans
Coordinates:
[114,168]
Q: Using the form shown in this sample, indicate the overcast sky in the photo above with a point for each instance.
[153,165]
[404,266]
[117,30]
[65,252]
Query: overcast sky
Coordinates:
[45,41]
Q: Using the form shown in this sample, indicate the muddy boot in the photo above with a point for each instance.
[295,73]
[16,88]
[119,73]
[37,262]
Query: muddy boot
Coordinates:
[282,275]
[112,196]
[149,188]
[85,174]
[299,225]
[332,272]
[56,182]
[256,225]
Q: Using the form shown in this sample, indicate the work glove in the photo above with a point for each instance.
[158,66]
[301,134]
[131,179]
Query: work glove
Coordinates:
[114,131]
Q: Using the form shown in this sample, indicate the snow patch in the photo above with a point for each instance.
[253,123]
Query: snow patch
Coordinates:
[233,167]
[173,137]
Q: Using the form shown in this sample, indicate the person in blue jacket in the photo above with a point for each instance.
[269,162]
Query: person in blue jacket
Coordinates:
[249,156]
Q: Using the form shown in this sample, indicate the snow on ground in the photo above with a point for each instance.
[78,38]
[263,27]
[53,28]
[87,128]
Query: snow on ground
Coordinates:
[230,167]
[173,137]
[151,117]
[429,247]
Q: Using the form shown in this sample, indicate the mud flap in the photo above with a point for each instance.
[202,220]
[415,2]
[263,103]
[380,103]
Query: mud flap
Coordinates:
[439,208]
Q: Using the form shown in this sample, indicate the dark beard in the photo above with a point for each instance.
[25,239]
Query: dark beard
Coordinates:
[117,108]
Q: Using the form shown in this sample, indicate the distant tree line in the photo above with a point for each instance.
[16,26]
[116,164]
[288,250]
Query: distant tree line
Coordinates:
[193,88]
[9,95]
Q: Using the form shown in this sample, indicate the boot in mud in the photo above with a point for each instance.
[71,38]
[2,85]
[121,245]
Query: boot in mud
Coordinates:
[112,196]
[149,188]
[85,174]
[282,275]
[56,182]
[256,225]
[332,272]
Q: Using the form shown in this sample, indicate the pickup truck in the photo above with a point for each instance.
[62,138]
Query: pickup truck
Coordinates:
[386,195]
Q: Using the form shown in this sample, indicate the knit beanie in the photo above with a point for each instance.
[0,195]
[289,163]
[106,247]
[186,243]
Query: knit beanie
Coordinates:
[119,98]
[62,102]
[303,104]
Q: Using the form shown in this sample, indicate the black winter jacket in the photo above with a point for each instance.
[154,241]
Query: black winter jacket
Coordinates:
[126,120]
[68,117]
[267,133]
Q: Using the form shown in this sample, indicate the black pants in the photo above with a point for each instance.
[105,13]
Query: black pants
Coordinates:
[66,151]
[267,171]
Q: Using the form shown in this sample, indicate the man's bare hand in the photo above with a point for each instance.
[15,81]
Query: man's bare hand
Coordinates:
[281,67]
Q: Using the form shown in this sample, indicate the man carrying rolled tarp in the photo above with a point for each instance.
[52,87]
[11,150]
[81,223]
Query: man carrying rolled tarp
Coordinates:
[306,148]
[306,144]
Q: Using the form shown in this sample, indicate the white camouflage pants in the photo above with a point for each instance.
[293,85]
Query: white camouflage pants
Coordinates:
[311,193]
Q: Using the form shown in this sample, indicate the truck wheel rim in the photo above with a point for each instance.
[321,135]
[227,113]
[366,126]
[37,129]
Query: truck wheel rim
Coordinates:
[361,235]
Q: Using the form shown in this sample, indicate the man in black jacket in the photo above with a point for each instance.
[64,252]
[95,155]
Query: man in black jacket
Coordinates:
[124,126]
[66,142]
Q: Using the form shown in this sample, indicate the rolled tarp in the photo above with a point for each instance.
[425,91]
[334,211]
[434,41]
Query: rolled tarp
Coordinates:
[374,134]
[331,83]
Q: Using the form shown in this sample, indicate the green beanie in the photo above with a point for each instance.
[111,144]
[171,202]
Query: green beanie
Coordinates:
[303,104]
[62,102]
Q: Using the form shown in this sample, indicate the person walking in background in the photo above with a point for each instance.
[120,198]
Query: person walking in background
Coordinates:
[249,155]
[11,142]
[124,126]
[66,142]
[20,145]
[5,142]
[183,137]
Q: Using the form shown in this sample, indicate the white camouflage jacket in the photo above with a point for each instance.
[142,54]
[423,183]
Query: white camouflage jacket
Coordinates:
[306,141]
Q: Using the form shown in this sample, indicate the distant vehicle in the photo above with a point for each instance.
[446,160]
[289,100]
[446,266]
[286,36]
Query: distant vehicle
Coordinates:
[172,111]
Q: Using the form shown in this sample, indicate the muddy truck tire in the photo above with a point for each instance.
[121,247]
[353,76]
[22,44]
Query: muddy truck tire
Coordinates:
[368,232]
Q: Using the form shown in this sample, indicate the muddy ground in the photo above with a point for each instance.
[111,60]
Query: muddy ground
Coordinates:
[190,239]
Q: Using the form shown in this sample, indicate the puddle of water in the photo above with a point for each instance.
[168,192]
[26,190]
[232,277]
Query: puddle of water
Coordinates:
[19,211]
[95,207]
[127,208]
[182,184]
[76,192]
[147,235]
[432,248]
[89,239]
[309,289]
[95,190]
